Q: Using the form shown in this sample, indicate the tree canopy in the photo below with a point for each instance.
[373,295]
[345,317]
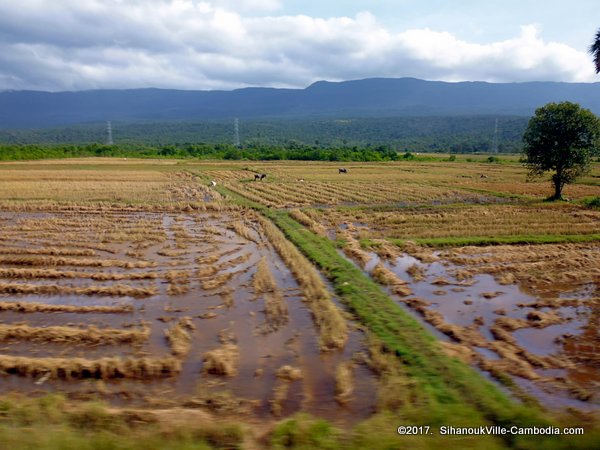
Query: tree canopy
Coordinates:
[561,137]
[595,51]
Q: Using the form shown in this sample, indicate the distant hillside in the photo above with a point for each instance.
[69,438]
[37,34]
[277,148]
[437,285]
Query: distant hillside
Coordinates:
[375,97]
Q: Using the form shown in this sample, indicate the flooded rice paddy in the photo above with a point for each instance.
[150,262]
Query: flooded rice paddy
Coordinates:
[166,309]
[547,340]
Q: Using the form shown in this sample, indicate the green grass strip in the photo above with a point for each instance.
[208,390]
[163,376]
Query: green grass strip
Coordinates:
[445,380]
[496,240]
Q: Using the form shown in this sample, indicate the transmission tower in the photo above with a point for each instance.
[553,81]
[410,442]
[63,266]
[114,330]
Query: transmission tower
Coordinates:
[495,142]
[109,139]
[236,132]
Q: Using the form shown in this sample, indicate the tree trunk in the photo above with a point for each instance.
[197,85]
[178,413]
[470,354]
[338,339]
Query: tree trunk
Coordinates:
[558,185]
[557,190]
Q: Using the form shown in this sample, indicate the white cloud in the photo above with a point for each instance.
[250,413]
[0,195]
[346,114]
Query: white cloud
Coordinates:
[187,44]
[248,5]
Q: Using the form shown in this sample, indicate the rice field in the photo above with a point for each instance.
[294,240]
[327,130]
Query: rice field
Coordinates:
[393,183]
[171,308]
[527,311]
[140,284]
[462,221]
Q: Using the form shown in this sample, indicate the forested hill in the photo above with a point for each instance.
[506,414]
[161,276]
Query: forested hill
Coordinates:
[461,134]
[376,97]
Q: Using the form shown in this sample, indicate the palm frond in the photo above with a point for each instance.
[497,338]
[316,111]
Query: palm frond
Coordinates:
[595,51]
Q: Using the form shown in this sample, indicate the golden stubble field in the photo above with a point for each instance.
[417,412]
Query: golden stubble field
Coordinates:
[528,311]
[181,299]
[137,281]
[290,184]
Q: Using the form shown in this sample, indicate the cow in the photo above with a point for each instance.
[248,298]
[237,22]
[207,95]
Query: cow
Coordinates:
[342,170]
[260,176]
[213,183]
[482,176]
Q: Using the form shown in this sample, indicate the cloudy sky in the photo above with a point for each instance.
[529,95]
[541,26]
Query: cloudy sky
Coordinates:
[225,44]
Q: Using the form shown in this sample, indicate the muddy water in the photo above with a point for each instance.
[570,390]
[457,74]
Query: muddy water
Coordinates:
[470,304]
[261,353]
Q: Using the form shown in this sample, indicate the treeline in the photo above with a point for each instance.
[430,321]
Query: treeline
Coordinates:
[454,134]
[202,151]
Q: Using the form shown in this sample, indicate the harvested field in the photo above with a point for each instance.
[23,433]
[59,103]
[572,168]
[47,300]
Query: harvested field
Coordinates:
[400,183]
[149,288]
[154,297]
[291,194]
[508,309]
[540,328]
[141,183]
[461,221]
[541,269]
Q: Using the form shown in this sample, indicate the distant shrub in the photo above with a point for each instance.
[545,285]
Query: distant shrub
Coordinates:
[493,159]
[408,155]
[303,432]
[452,158]
[593,202]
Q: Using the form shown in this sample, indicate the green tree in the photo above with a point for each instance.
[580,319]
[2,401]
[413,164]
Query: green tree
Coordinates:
[560,137]
[595,51]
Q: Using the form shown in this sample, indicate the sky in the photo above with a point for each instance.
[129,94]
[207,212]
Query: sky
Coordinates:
[226,44]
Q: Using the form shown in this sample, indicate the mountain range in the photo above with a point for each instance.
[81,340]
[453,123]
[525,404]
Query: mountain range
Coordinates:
[373,97]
